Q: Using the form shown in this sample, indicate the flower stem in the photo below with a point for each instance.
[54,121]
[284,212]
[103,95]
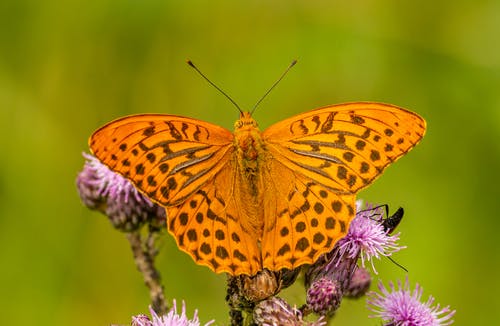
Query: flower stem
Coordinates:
[144,260]
[232,298]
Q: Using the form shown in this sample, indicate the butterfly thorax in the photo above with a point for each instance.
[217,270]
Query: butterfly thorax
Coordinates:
[248,143]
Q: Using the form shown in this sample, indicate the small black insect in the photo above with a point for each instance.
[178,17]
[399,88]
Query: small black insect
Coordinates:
[391,222]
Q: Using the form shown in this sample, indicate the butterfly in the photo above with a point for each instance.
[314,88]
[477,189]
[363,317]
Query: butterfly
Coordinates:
[242,201]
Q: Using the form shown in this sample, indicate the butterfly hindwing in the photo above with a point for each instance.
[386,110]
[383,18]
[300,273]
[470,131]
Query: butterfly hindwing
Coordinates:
[306,222]
[167,157]
[208,226]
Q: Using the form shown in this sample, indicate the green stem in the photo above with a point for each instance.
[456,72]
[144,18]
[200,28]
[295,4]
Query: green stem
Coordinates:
[144,260]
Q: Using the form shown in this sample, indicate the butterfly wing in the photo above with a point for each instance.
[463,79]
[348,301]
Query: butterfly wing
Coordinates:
[303,219]
[345,146]
[209,227]
[167,157]
[327,156]
[187,166]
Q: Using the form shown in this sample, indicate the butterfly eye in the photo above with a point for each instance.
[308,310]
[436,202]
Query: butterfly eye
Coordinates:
[238,124]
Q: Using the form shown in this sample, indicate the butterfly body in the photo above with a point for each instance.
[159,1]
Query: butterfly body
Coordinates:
[242,201]
[249,156]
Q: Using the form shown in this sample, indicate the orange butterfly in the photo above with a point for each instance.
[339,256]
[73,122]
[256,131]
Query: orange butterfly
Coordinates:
[240,202]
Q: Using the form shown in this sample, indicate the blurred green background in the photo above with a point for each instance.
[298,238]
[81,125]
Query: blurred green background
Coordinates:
[67,67]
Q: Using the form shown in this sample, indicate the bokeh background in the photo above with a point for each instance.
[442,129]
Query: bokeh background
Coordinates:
[67,67]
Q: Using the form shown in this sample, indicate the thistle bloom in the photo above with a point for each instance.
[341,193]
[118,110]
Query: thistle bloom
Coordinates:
[106,191]
[400,306]
[367,239]
[324,296]
[172,318]
[141,320]
[276,311]
[337,274]
[359,283]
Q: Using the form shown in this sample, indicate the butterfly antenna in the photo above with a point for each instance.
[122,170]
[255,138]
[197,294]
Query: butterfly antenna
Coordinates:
[274,85]
[189,62]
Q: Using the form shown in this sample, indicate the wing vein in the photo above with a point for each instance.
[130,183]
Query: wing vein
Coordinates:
[194,161]
[324,156]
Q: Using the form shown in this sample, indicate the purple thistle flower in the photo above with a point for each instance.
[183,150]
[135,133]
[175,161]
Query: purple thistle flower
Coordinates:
[107,183]
[400,306]
[324,296]
[359,284]
[367,239]
[106,191]
[141,320]
[276,311]
[172,318]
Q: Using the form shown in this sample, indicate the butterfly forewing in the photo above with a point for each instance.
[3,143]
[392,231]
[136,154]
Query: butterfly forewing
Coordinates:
[344,147]
[167,157]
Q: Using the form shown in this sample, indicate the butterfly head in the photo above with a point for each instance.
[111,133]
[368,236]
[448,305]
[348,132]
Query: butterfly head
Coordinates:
[245,122]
